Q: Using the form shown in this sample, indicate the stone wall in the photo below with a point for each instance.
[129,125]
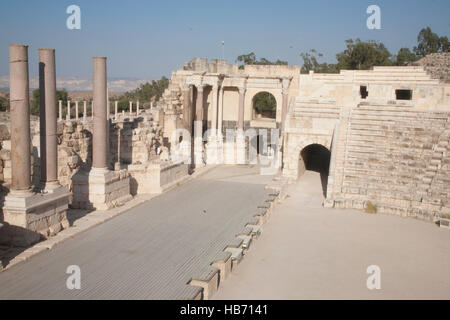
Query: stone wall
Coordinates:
[391,152]
[139,139]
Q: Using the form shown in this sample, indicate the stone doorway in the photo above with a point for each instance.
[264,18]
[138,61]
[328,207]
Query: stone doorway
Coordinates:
[315,157]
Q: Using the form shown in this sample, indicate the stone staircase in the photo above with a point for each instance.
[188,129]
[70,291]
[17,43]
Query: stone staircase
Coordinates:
[394,74]
[311,108]
[398,158]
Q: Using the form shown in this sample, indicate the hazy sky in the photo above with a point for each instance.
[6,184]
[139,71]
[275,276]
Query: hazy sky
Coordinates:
[148,39]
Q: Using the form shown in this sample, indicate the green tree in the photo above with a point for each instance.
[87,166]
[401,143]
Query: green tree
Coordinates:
[265,104]
[310,63]
[145,93]
[250,59]
[35,96]
[363,55]
[430,42]
[405,56]
[4,103]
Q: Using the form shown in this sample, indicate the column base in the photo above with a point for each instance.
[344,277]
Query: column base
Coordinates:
[29,217]
[100,189]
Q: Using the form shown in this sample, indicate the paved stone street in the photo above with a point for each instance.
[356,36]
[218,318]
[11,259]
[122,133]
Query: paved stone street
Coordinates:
[309,252]
[151,251]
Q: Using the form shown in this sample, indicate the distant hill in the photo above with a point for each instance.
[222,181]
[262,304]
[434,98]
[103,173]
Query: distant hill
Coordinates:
[119,85]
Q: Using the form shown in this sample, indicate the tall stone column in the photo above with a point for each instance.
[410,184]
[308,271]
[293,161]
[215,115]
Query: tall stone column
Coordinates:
[49,144]
[99,140]
[241,108]
[198,128]
[37,214]
[100,188]
[284,108]
[214,112]
[84,110]
[76,110]
[220,114]
[20,119]
[187,108]
[240,138]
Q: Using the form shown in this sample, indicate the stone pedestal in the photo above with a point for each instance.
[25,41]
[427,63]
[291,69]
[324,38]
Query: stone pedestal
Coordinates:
[32,216]
[100,189]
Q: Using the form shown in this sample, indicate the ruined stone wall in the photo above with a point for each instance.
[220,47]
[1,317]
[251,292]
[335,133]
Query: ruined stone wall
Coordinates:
[139,139]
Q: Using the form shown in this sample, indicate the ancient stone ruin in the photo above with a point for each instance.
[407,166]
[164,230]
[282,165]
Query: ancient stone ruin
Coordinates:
[378,137]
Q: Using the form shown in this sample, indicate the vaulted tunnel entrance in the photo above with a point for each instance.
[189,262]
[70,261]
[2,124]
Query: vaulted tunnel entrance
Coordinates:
[315,157]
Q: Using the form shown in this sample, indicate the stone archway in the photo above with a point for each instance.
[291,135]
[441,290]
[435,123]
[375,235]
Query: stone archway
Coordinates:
[264,106]
[315,157]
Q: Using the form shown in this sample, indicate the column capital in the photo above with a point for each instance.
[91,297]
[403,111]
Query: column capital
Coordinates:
[242,89]
[200,88]
[285,82]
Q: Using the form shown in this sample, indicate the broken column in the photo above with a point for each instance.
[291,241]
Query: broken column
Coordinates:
[31,216]
[101,188]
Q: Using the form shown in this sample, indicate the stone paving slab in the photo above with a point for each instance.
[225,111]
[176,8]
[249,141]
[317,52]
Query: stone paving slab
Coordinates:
[151,251]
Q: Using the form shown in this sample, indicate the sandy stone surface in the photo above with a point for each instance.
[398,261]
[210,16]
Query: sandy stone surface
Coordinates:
[310,252]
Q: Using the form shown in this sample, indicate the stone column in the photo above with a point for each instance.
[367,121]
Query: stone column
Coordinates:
[99,143]
[187,108]
[116,108]
[49,144]
[84,110]
[198,127]
[68,110]
[20,119]
[137,108]
[92,109]
[214,113]
[220,115]
[241,107]
[284,108]
[60,110]
[76,110]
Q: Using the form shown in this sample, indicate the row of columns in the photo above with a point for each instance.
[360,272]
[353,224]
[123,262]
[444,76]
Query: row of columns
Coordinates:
[217,108]
[116,110]
[20,118]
